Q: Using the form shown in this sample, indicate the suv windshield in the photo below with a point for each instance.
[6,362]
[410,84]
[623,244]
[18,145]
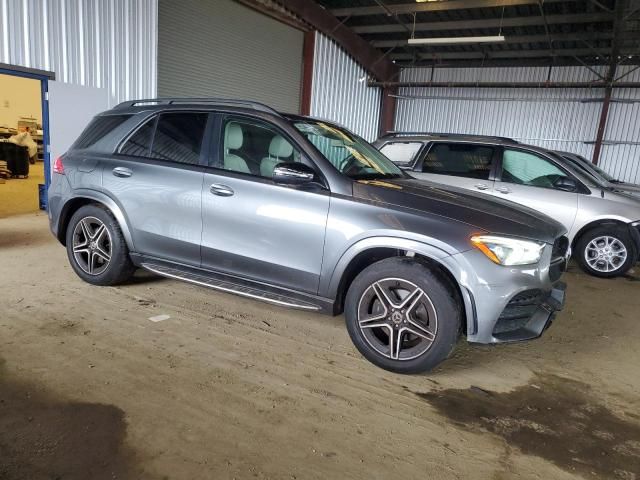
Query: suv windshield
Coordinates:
[348,153]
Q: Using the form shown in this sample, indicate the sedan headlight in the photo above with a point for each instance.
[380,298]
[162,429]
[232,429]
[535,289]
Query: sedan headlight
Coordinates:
[508,251]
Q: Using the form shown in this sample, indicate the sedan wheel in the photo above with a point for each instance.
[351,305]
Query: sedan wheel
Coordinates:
[606,251]
[605,254]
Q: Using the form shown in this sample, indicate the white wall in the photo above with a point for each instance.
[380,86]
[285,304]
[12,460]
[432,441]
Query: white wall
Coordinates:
[339,92]
[19,97]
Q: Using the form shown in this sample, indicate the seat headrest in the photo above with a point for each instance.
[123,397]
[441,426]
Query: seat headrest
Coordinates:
[279,147]
[233,136]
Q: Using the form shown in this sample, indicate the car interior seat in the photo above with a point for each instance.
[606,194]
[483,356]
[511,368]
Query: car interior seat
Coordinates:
[279,151]
[233,140]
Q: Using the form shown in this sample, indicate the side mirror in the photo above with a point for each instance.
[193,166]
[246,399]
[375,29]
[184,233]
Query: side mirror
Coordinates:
[566,184]
[293,173]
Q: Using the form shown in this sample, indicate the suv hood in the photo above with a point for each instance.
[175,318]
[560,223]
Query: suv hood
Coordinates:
[489,214]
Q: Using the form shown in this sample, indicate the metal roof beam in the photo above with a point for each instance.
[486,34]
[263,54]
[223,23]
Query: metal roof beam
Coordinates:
[429,7]
[489,23]
[374,61]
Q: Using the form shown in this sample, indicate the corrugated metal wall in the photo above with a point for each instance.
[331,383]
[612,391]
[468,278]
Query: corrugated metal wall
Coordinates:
[97,43]
[623,160]
[340,91]
[553,118]
[561,119]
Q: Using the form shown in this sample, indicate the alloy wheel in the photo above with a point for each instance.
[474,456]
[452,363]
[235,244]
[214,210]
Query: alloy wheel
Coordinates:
[92,245]
[397,319]
[605,254]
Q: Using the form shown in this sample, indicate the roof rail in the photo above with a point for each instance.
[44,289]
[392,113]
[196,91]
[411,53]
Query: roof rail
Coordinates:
[215,101]
[451,135]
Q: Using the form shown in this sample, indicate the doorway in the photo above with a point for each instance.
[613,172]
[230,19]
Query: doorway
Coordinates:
[24,140]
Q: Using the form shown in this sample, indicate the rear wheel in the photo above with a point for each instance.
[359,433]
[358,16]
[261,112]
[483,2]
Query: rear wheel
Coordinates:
[402,315]
[96,247]
[606,251]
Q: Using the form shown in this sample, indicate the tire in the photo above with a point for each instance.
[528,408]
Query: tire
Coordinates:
[436,315]
[615,245]
[98,255]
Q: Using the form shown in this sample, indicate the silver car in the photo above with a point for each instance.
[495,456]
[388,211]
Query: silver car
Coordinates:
[603,223]
[578,162]
[302,213]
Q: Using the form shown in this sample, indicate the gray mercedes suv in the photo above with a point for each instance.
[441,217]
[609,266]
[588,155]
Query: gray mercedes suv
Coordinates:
[302,213]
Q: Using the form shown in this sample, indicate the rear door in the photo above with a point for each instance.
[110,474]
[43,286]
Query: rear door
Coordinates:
[530,179]
[156,176]
[460,164]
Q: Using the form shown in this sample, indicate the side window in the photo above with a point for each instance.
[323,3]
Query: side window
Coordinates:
[401,153]
[139,143]
[254,148]
[460,160]
[525,168]
[179,136]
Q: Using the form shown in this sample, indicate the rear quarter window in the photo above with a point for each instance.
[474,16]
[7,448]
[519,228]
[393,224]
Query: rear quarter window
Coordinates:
[98,128]
[401,153]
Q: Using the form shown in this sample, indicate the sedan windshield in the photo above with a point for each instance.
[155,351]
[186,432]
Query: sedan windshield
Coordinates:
[347,152]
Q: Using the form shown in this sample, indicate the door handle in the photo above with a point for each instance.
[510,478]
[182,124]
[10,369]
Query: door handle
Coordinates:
[221,190]
[504,189]
[481,186]
[122,172]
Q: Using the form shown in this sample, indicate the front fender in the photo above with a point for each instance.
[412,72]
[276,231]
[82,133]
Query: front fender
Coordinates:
[114,207]
[424,249]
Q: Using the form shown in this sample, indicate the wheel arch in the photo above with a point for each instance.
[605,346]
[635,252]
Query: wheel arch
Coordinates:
[91,197]
[594,224]
[370,251]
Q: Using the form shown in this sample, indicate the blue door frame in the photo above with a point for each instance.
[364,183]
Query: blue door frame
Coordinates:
[44,78]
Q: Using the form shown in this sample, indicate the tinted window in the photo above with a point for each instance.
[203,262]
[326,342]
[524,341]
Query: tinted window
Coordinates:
[139,143]
[178,137]
[98,128]
[255,148]
[401,152]
[461,160]
[529,169]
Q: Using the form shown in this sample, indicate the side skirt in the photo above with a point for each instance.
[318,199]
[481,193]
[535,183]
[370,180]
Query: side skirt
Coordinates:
[238,286]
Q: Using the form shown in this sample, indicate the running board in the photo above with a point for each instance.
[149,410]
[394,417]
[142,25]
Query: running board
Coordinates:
[230,287]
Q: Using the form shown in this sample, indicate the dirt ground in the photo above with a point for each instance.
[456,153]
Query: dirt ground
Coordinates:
[226,388]
[20,195]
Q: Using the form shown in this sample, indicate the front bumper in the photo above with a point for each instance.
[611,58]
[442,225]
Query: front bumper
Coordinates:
[528,315]
[510,304]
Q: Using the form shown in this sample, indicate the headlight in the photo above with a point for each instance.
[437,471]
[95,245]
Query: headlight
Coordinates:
[508,251]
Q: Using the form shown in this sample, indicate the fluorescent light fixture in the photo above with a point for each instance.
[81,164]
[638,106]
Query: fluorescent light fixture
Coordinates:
[452,40]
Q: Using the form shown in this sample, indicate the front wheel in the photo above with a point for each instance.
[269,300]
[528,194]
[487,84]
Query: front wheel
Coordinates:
[402,315]
[606,251]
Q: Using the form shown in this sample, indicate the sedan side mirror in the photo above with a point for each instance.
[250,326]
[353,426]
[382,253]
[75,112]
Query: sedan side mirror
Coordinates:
[566,184]
[293,173]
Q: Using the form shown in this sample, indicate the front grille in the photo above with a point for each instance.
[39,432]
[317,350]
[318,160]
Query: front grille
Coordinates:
[519,310]
[559,258]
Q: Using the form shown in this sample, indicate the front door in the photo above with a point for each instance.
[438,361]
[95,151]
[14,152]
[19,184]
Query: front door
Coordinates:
[159,185]
[253,227]
[464,165]
[530,179]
